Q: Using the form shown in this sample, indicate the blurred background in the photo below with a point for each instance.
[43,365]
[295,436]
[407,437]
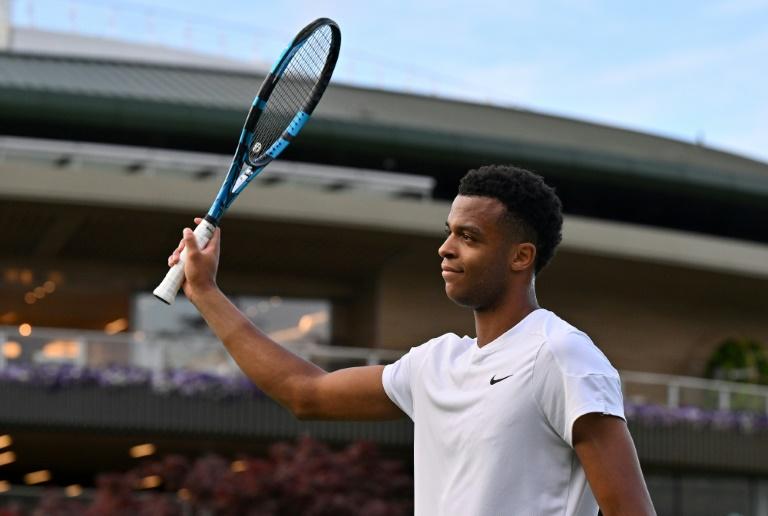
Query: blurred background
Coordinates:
[118,119]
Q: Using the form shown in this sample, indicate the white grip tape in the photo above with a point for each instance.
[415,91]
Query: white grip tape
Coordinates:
[169,287]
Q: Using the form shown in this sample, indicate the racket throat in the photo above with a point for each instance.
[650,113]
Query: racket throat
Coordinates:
[246,173]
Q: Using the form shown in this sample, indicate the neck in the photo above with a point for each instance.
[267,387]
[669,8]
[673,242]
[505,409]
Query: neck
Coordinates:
[492,322]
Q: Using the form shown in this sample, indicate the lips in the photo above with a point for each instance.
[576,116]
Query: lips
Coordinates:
[449,272]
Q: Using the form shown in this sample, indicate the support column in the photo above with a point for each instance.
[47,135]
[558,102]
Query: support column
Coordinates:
[761,497]
[5,25]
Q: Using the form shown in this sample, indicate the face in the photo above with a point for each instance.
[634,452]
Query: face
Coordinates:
[476,252]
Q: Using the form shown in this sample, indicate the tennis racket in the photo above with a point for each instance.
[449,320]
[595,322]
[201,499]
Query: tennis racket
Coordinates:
[285,102]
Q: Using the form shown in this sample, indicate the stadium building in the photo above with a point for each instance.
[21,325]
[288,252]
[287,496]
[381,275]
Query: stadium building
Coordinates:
[108,149]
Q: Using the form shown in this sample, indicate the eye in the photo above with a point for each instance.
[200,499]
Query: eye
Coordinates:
[467,237]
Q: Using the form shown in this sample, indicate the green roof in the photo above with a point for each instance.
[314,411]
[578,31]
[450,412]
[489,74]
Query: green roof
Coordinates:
[202,109]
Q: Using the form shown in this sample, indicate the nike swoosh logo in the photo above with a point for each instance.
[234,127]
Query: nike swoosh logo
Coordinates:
[495,380]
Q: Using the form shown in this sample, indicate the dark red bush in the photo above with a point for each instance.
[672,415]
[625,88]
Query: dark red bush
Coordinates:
[305,478]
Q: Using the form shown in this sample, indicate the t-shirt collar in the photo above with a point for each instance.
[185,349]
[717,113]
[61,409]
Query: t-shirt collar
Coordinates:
[522,326]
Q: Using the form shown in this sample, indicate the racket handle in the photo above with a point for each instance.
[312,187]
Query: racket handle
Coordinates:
[171,284]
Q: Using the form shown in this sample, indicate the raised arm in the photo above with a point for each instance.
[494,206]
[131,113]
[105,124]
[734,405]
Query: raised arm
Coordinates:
[302,387]
[607,454]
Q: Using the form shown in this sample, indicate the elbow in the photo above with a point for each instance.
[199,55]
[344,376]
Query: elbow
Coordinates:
[303,406]
[300,411]
[305,412]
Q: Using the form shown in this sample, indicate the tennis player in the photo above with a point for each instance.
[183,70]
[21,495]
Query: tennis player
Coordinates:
[524,419]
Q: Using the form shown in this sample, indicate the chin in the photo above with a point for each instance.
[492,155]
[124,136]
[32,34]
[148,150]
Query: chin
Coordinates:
[461,299]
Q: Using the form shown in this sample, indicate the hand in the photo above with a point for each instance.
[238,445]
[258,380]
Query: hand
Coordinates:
[201,265]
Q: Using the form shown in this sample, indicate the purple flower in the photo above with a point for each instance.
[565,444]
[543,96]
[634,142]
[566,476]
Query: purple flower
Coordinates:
[181,382]
[696,417]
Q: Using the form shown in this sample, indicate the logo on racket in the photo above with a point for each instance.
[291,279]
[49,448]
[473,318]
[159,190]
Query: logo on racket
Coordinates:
[255,150]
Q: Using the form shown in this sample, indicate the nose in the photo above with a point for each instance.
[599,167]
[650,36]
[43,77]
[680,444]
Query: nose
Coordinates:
[447,250]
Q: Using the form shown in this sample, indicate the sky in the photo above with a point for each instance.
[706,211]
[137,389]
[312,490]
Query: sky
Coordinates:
[695,71]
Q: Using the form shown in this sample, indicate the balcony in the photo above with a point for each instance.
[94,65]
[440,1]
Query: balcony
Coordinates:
[163,384]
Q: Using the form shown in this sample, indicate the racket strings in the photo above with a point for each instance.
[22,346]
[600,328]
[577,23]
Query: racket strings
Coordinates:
[305,70]
[302,74]
[294,89]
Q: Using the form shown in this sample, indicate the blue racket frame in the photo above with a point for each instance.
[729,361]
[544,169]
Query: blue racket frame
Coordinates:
[242,170]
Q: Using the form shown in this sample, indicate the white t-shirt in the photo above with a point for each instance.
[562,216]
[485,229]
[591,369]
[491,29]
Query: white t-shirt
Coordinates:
[493,424]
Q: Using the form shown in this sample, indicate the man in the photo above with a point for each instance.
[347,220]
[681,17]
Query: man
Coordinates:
[525,419]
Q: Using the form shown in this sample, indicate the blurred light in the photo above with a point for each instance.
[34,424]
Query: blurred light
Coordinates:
[7,458]
[56,277]
[184,493]
[61,349]
[116,326]
[37,477]
[49,286]
[25,330]
[310,320]
[238,466]
[39,292]
[286,335]
[73,490]
[26,277]
[275,300]
[11,350]
[5,486]
[9,317]
[30,298]
[305,323]
[5,441]
[150,481]
[11,275]
[142,450]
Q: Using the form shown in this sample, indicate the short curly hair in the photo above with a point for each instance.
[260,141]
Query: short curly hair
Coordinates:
[532,205]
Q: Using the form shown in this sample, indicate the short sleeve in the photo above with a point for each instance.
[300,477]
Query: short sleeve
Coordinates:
[398,377]
[571,377]
[397,382]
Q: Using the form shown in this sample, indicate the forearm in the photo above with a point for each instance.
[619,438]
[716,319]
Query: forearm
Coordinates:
[283,376]
[302,387]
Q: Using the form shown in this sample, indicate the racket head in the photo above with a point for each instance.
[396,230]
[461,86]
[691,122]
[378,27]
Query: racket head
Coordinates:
[284,103]
[300,76]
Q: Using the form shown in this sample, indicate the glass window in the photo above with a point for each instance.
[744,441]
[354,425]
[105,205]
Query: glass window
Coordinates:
[176,336]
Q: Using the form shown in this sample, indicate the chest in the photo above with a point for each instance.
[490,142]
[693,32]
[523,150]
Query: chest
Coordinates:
[478,401]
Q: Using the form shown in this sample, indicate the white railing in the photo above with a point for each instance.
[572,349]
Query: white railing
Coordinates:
[202,352]
[676,391]
[157,352]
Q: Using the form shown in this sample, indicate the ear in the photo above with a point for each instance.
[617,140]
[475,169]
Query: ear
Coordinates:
[522,257]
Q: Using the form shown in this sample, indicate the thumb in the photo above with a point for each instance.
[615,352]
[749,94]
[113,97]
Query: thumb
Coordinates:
[190,242]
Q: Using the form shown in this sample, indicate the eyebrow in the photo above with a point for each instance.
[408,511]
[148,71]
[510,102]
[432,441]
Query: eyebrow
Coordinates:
[465,227]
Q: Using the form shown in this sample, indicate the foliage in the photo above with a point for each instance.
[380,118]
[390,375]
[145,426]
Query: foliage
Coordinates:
[739,360]
[742,421]
[305,478]
[181,382]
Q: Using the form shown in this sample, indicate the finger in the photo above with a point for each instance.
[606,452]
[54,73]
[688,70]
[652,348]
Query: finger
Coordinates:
[190,242]
[179,248]
[198,220]
[175,256]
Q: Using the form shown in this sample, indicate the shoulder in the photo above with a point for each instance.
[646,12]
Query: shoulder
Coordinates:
[448,344]
[570,350]
[440,350]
